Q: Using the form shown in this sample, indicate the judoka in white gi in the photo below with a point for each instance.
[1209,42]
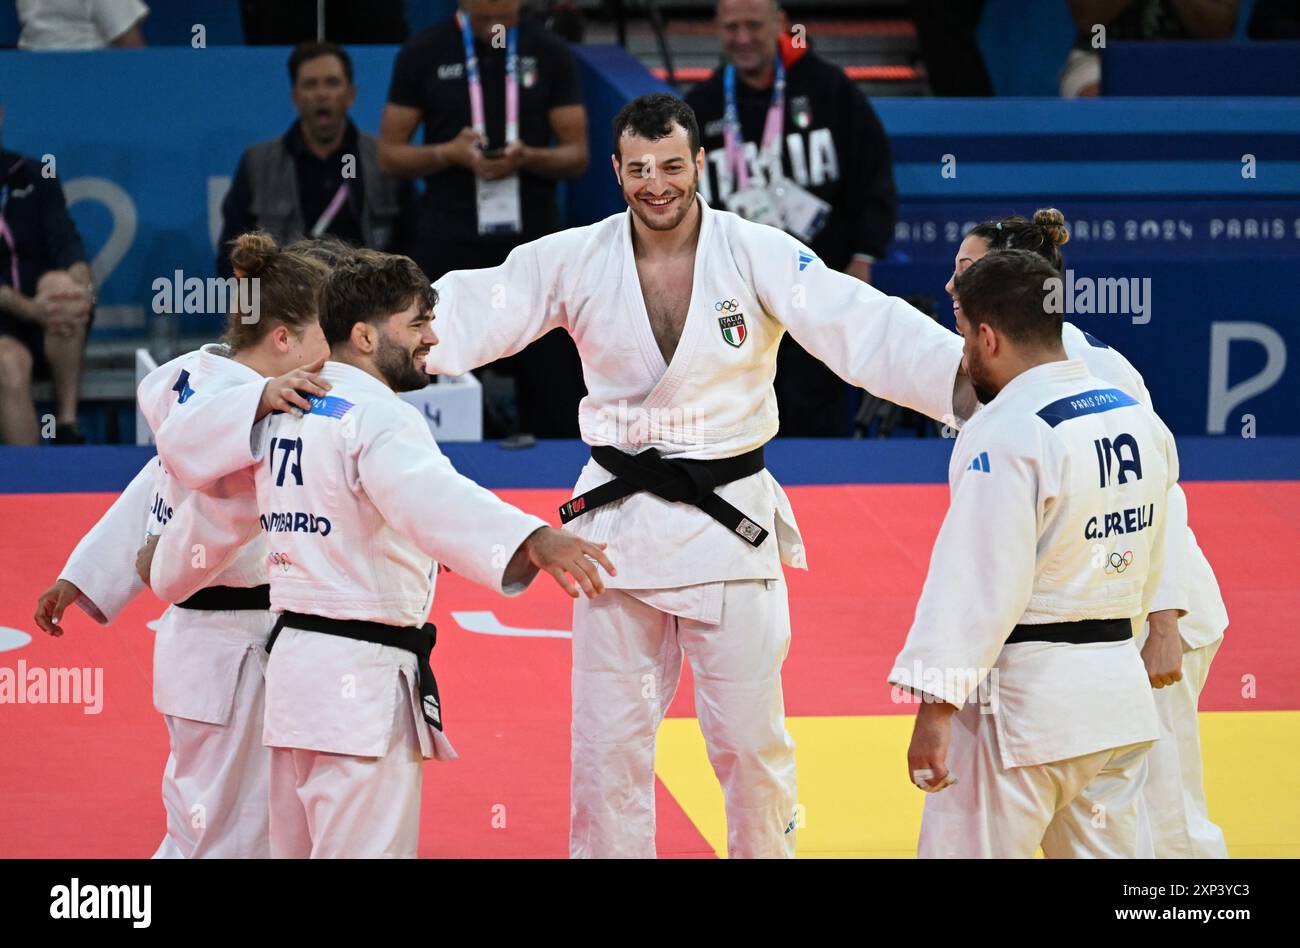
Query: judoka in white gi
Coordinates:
[677,310]
[356,502]
[1036,701]
[1188,604]
[209,656]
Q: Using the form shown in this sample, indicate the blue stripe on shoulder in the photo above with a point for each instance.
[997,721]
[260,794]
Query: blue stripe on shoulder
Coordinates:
[1085,403]
[329,406]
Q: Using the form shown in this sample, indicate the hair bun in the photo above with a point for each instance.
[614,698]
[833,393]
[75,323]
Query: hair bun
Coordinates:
[1052,222]
[251,253]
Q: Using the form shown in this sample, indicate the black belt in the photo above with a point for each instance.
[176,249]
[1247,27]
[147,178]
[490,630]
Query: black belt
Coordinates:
[681,481]
[1074,633]
[219,598]
[419,641]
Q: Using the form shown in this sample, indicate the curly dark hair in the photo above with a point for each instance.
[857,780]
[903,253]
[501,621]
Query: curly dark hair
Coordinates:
[369,288]
[653,116]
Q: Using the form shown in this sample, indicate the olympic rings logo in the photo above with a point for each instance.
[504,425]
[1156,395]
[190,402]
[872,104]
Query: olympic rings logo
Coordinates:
[1118,563]
[729,306]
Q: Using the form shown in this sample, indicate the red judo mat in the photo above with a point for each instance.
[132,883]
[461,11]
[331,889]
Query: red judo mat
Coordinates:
[87,785]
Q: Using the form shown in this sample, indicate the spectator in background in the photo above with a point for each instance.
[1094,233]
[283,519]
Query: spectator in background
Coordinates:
[80,24]
[46,301]
[1138,20]
[322,176]
[822,172]
[490,170]
[946,35]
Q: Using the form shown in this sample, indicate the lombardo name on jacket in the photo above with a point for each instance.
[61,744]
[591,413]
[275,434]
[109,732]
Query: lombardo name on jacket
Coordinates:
[295,522]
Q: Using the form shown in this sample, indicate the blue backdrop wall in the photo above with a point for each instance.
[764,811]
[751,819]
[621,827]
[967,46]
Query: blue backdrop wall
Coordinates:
[1199,196]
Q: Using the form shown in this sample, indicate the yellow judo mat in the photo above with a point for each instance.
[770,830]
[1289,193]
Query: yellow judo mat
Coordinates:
[855,799]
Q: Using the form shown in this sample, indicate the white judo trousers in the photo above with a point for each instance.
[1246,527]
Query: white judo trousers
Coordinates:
[209,685]
[1088,806]
[1174,793]
[627,659]
[353,791]
[337,806]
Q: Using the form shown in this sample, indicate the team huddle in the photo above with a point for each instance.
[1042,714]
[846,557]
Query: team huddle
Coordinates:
[298,513]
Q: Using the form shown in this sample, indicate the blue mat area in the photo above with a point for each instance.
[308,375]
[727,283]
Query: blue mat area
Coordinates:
[557,463]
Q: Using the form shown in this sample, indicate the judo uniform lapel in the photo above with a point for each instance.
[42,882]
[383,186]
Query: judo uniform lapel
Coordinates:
[671,374]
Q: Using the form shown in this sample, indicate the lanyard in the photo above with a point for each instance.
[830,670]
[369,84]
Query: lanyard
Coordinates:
[7,236]
[331,211]
[731,122]
[478,118]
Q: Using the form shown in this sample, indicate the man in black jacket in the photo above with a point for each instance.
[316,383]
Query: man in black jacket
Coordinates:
[321,176]
[826,177]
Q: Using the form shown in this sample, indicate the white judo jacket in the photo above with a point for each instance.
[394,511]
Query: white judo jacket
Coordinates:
[1059,495]
[102,565]
[195,672]
[167,391]
[1188,583]
[358,506]
[752,284]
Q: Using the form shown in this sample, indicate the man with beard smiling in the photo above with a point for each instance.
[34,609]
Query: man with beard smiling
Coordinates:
[322,175]
[357,504]
[678,310]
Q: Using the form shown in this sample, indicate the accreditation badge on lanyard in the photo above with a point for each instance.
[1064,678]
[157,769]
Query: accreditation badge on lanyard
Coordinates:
[499,207]
[782,203]
[753,202]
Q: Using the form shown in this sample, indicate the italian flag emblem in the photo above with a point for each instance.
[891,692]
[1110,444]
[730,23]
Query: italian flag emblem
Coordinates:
[733,329]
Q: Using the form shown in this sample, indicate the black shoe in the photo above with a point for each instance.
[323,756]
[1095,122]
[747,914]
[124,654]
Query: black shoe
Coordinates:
[68,433]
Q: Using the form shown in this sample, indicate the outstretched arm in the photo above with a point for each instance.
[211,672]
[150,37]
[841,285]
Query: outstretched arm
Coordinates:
[874,341]
[484,315]
[212,434]
[457,522]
